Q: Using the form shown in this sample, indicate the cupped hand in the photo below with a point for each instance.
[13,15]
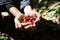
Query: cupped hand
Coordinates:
[31,24]
[35,15]
[17,21]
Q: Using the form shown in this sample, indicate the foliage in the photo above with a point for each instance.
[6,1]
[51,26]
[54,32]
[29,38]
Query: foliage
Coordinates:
[47,8]
[3,36]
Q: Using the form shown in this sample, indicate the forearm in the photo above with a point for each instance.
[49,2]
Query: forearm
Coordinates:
[14,11]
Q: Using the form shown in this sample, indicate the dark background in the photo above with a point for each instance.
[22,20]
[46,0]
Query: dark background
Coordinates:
[44,31]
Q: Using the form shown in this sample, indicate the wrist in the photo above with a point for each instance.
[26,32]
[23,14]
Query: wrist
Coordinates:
[19,15]
[27,9]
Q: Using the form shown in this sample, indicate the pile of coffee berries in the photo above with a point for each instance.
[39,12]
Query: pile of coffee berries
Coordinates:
[30,19]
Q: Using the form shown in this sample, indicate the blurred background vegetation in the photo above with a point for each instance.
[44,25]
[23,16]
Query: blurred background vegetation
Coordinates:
[49,9]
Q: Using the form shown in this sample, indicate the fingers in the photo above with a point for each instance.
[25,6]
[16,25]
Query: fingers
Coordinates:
[29,23]
[29,26]
[38,17]
[17,24]
[37,20]
[24,24]
[34,25]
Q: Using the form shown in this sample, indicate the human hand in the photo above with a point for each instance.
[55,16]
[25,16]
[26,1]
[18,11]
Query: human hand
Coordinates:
[33,14]
[17,20]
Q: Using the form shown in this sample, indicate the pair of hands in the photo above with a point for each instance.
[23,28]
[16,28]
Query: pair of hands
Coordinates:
[26,25]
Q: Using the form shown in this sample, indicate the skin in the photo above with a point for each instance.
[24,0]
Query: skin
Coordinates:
[15,12]
[29,11]
[18,16]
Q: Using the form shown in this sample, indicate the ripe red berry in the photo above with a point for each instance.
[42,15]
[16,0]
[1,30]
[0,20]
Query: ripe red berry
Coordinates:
[30,19]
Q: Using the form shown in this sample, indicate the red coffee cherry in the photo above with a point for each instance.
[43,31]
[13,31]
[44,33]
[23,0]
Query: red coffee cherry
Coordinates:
[29,19]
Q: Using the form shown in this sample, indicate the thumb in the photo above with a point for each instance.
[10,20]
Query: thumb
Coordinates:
[17,24]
